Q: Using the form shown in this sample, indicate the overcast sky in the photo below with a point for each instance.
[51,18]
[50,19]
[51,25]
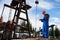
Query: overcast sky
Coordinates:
[52,7]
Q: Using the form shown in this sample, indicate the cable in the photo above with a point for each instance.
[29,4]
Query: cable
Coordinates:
[36,2]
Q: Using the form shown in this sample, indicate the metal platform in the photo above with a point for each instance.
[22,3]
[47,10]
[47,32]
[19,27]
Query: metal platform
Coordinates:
[24,7]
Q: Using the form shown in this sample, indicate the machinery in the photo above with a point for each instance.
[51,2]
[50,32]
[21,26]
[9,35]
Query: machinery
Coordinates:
[18,6]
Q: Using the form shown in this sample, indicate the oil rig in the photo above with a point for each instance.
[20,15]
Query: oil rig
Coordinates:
[11,26]
[19,6]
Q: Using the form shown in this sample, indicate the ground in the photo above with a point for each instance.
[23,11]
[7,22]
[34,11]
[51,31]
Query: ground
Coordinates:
[38,39]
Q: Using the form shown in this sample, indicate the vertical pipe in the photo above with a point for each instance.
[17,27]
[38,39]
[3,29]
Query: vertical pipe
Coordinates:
[2,11]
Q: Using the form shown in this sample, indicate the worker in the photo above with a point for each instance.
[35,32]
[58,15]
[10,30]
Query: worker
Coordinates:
[45,28]
[7,31]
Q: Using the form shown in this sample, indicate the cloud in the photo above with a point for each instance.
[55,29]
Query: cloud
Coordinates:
[36,23]
[57,0]
[55,20]
[45,5]
[42,4]
[58,27]
[34,19]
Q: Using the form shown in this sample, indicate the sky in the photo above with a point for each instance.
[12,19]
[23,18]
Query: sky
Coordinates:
[52,7]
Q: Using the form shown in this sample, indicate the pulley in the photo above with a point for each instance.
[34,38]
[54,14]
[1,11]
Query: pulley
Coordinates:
[36,2]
